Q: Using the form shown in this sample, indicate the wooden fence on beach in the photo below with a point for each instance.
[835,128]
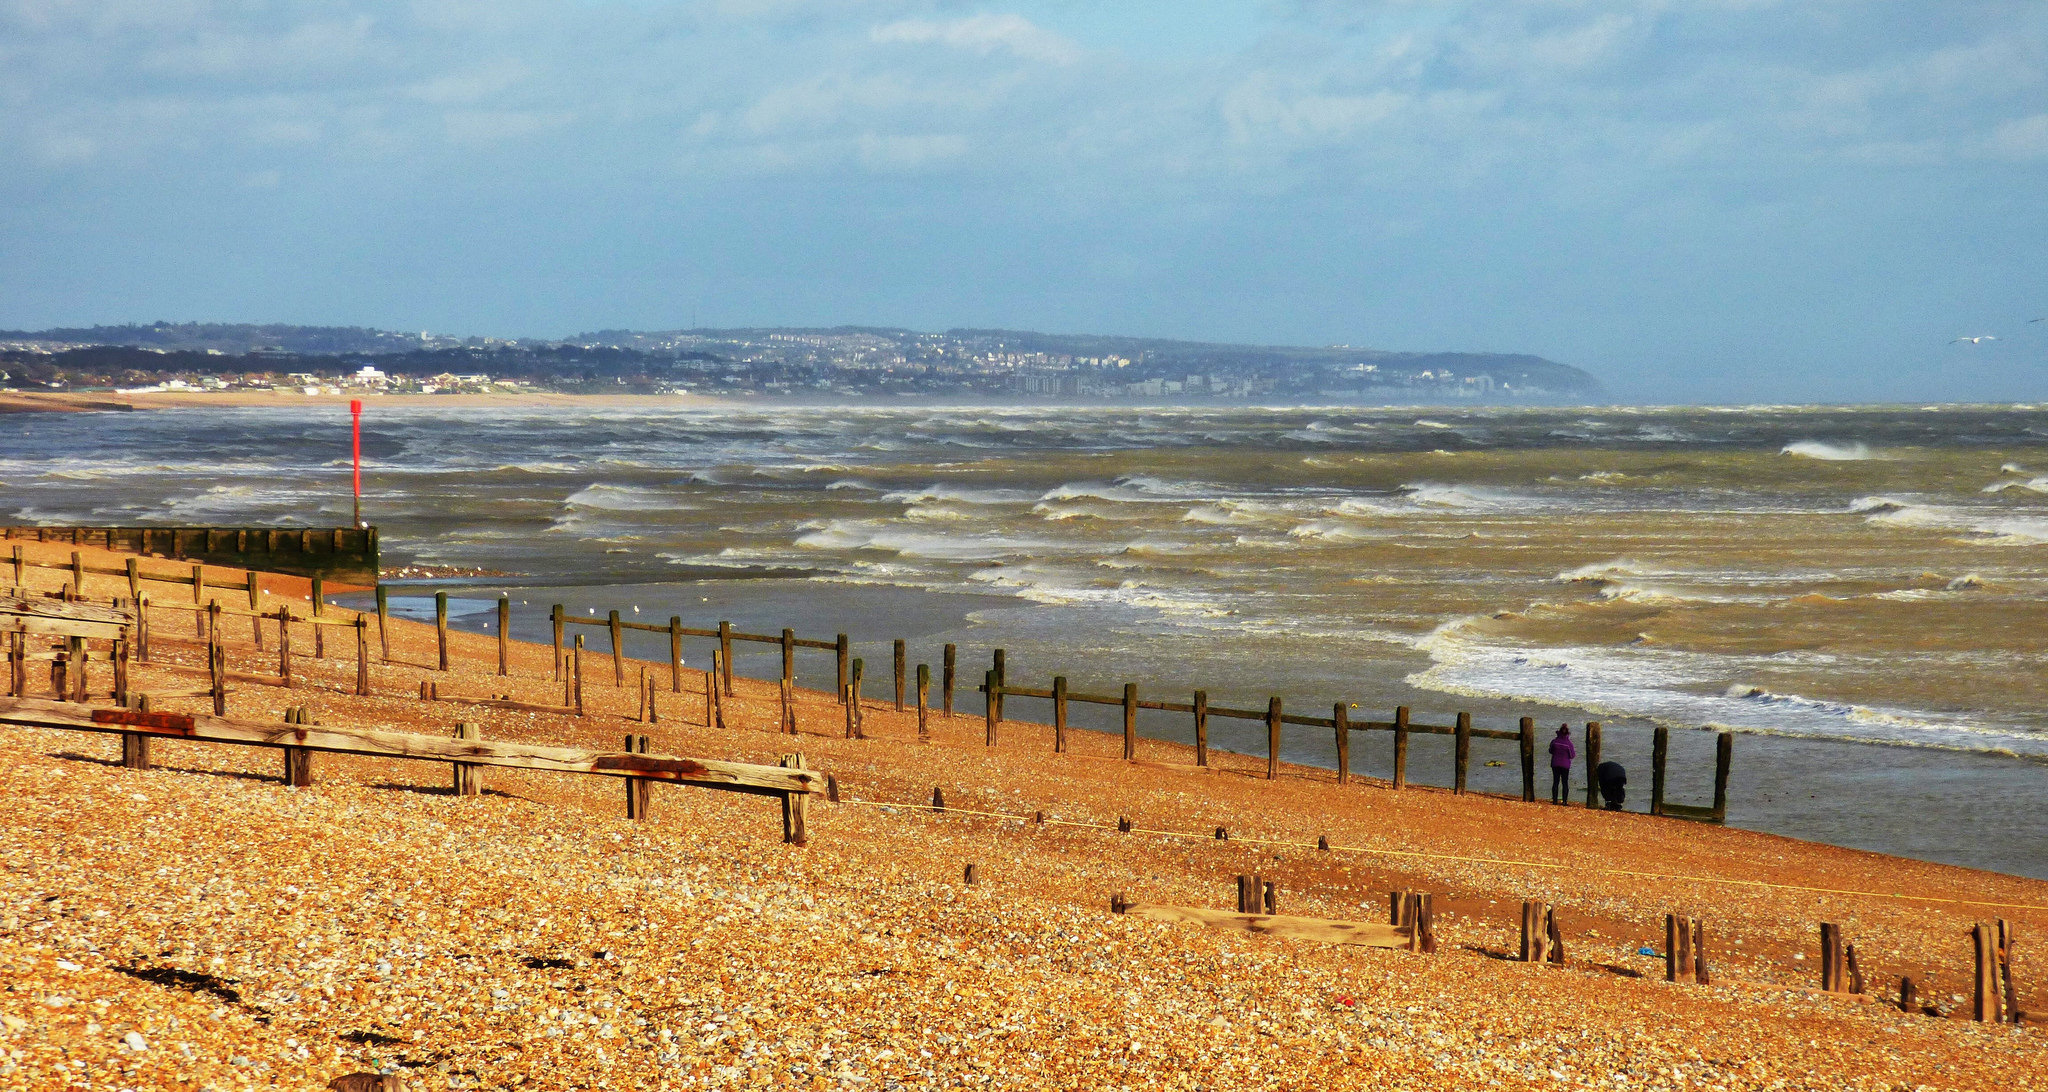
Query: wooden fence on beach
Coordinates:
[849,674]
[849,671]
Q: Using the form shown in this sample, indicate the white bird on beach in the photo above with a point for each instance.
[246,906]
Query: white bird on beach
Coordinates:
[636,610]
[1977,339]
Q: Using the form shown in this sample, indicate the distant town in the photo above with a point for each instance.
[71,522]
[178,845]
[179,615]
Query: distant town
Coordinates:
[813,364]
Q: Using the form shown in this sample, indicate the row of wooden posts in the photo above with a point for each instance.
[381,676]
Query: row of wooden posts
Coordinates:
[849,671]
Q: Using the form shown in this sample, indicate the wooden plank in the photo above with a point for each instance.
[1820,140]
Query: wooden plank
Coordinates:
[1201,712]
[711,773]
[1291,927]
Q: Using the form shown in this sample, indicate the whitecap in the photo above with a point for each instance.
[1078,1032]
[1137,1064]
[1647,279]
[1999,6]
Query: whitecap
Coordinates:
[623,498]
[1833,453]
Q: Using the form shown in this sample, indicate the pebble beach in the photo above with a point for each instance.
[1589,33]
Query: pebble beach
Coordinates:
[200,925]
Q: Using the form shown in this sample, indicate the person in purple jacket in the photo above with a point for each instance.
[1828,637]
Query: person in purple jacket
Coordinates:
[1561,754]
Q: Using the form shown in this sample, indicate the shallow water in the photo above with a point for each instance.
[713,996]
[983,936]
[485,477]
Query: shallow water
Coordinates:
[1866,575]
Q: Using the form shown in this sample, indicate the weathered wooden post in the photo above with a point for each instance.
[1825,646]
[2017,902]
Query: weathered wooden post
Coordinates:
[675,654]
[319,632]
[1987,1000]
[648,712]
[255,609]
[1678,953]
[989,708]
[618,634]
[902,666]
[135,750]
[1724,761]
[199,599]
[853,688]
[440,626]
[78,571]
[21,564]
[1535,932]
[1592,764]
[1002,680]
[946,681]
[120,655]
[1699,954]
[555,620]
[841,653]
[637,788]
[1059,714]
[2005,945]
[789,656]
[713,693]
[1130,721]
[725,650]
[384,629]
[576,668]
[1831,971]
[1272,737]
[469,777]
[1401,747]
[284,646]
[81,663]
[788,705]
[134,575]
[298,761]
[1660,750]
[504,635]
[795,830]
[1527,739]
[924,703]
[1462,746]
[362,656]
[1339,715]
[1201,704]
[217,657]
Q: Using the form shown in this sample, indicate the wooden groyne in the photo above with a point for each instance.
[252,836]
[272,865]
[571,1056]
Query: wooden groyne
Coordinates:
[346,555]
[850,670]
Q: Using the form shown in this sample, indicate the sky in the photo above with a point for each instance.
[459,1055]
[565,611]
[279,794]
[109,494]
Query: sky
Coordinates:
[1695,200]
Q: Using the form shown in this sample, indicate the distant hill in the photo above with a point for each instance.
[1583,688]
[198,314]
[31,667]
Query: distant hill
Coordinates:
[849,358]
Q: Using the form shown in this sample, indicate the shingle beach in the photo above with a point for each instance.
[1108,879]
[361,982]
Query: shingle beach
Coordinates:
[200,925]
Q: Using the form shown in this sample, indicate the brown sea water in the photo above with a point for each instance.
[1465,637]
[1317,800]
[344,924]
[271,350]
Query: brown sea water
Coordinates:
[1808,577]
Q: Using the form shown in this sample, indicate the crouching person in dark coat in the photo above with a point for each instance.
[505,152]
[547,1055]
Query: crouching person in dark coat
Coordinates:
[1613,784]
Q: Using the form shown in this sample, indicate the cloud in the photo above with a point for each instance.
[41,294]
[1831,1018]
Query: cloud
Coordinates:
[984,34]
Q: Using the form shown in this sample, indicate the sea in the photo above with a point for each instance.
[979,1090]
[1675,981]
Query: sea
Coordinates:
[1858,592]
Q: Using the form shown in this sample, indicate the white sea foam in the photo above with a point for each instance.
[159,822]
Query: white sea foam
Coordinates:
[1833,453]
[1992,526]
[1135,489]
[1684,689]
[847,535]
[960,495]
[1330,530]
[1480,498]
[623,498]
[2031,485]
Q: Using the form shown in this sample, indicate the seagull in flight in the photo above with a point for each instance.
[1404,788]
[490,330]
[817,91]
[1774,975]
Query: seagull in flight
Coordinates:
[1976,340]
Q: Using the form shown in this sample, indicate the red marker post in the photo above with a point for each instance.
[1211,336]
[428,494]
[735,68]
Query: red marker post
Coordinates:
[355,413]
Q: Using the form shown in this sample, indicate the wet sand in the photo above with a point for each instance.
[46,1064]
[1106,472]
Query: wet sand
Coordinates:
[534,938]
